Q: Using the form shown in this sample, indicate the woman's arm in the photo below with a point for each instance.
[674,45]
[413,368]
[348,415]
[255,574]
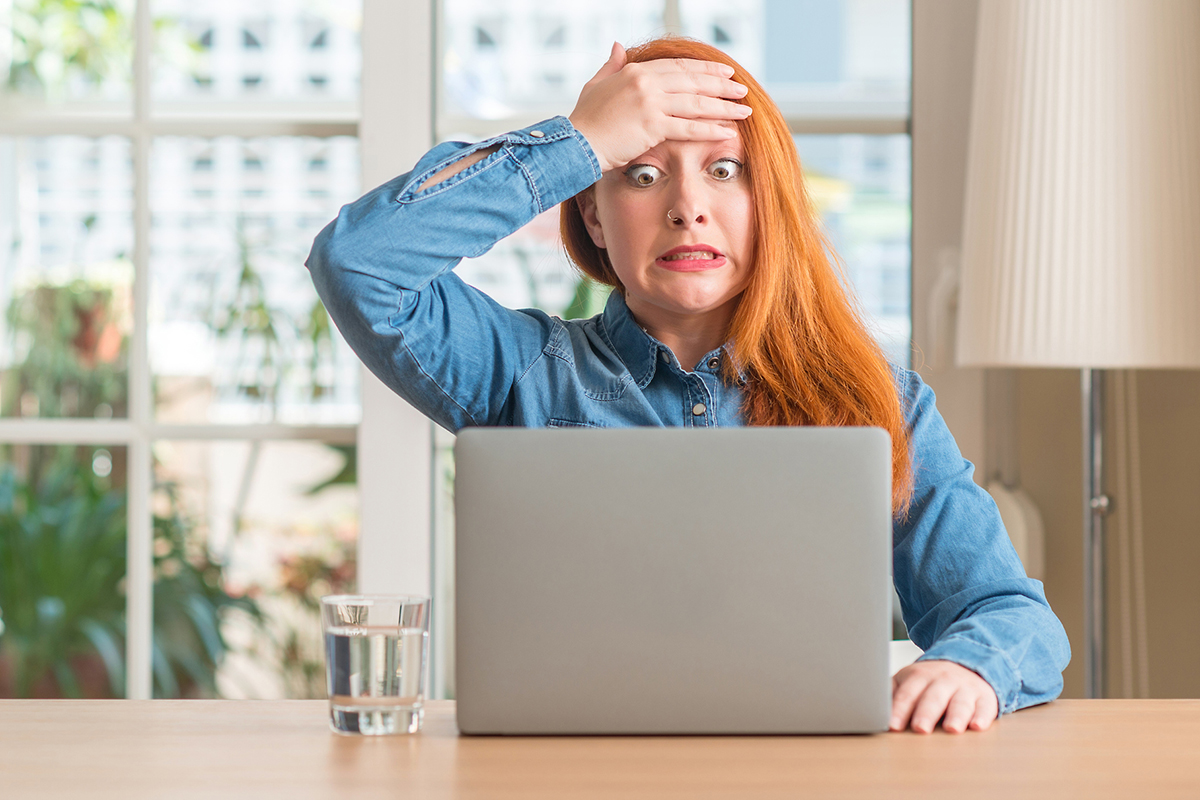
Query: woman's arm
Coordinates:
[964,593]
[383,269]
[383,266]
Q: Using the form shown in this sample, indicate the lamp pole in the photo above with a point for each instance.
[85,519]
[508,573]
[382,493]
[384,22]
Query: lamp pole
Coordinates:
[1095,508]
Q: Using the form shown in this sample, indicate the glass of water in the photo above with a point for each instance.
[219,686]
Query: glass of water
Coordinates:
[376,646]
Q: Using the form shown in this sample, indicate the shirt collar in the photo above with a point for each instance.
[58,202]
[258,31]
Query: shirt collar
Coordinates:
[637,349]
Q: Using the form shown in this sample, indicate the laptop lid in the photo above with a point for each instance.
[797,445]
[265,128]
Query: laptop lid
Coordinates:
[666,580]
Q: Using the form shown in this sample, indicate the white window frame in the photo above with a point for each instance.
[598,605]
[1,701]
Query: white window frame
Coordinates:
[139,431]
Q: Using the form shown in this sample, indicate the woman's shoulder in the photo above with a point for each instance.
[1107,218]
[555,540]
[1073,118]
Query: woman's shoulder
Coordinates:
[914,392]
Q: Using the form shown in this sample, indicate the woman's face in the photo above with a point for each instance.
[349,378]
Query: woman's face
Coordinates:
[697,264]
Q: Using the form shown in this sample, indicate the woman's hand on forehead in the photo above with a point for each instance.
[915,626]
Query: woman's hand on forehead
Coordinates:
[627,109]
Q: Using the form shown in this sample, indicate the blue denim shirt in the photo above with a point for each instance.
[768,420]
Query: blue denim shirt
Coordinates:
[383,268]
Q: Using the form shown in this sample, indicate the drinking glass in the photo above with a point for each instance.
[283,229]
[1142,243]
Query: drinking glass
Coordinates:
[376,647]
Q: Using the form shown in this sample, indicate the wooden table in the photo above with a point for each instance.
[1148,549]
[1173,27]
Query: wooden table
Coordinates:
[1145,749]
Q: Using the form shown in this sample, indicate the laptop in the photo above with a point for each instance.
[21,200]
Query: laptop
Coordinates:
[673,581]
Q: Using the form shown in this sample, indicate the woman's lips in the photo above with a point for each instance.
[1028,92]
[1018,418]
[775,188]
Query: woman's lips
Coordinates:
[706,258]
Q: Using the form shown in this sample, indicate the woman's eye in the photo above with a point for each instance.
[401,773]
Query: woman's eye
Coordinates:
[725,168]
[643,174]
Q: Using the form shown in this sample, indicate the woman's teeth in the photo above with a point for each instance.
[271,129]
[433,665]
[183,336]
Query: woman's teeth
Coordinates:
[699,254]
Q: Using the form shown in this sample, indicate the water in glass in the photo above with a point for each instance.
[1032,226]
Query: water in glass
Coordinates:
[375,678]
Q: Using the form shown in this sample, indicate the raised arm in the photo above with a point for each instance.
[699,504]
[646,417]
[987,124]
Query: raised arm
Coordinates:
[383,269]
[383,266]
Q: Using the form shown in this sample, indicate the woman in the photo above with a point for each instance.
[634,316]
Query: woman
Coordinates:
[681,188]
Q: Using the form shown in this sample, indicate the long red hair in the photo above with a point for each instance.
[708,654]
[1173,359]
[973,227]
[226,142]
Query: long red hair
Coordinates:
[796,333]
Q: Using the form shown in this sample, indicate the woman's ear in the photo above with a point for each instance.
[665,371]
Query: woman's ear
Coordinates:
[591,220]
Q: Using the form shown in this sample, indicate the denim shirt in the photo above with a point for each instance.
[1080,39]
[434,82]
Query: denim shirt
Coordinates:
[383,269]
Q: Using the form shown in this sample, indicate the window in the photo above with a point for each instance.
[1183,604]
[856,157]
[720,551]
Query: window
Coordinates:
[176,410]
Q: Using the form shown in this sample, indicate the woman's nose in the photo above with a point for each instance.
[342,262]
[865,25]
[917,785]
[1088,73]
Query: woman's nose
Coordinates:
[688,206]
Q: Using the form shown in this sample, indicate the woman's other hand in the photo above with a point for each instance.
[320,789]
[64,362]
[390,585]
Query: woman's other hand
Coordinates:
[626,109]
[926,691]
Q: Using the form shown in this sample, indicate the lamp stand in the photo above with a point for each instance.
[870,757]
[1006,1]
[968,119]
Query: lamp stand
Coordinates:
[1095,508]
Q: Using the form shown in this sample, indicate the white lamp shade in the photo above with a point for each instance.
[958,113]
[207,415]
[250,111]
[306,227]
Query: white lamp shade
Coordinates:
[1081,240]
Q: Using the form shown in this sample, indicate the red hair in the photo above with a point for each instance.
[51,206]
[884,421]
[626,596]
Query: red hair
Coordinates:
[796,333]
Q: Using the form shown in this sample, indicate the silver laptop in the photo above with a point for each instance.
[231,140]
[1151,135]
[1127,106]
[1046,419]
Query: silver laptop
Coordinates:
[673,581]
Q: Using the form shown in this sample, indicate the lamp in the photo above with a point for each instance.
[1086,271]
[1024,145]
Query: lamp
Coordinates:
[1081,234]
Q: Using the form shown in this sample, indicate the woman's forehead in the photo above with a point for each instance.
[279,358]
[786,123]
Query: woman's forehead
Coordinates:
[674,148]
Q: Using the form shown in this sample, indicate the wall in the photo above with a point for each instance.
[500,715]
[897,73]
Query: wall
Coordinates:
[1052,472]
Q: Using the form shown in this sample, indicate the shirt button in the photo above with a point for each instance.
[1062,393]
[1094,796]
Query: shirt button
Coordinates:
[666,358]
[536,134]
[698,410]
[714,362]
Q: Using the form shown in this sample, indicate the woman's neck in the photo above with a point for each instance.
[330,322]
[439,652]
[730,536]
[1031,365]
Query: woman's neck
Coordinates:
[690,336]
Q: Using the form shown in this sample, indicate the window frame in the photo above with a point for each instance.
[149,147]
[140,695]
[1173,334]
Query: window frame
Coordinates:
[139,430]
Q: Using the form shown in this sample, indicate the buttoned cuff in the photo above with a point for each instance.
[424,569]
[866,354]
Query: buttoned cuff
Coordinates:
[559,171]
[991,664]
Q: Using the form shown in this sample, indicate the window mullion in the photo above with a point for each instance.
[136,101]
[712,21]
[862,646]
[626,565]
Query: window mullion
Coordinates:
[139,608]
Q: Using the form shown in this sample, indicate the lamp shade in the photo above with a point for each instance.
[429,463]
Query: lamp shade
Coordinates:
[1081,236]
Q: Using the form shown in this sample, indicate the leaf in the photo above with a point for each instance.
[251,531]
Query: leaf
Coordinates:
[346,476]
[67,683]
[204,617]
[164,676]
[198,670]
[110,652]
[589,299]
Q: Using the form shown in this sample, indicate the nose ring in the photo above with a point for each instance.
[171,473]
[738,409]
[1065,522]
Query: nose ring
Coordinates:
[673,218]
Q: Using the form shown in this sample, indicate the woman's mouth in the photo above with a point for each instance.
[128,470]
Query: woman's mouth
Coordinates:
[691,258]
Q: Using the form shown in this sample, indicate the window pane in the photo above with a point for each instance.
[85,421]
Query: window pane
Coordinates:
[66,237]
[256,51]
[816,57]
[833,57]
[259,531]
[237,333]
[861,184]
[62,571]
[56,52]
[529,269]
[506,58]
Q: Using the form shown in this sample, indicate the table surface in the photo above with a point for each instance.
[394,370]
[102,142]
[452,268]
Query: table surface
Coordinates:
[226,749]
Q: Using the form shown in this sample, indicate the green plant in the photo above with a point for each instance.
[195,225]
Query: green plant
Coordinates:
[62,588]
[588,300]
[263,332]
[62,46]
[62,559]
[190,604]
[72,351]
[57,43]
